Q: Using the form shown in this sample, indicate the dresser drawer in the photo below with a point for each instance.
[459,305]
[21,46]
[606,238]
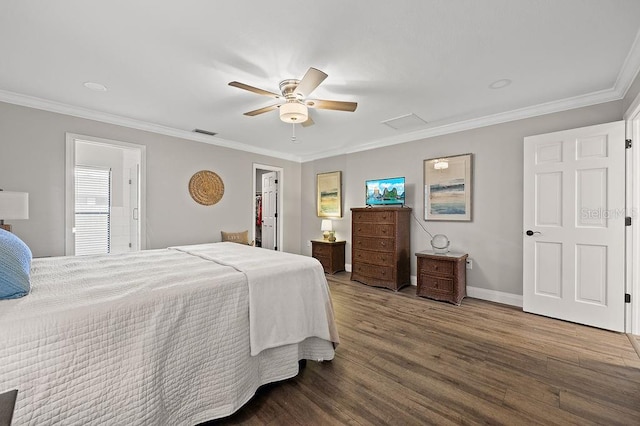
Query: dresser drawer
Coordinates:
[374,216]
[371,243]
[433,286]
[320,250]
[436,267]
[381,273]
[374,229]
[373,257]
[325,259]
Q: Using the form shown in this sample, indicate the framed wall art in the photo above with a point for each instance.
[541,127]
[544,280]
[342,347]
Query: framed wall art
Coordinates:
[329,193]
[447,188]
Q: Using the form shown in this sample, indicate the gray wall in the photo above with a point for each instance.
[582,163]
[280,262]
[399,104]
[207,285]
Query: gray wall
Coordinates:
[493,238]
[32,159]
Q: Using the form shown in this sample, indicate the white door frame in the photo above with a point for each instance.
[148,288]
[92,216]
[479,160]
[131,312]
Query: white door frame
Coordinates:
[632,118]
[71,138]
[279,220]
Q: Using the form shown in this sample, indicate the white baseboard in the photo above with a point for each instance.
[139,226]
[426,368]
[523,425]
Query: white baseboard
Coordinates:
[478,293]
[495,296]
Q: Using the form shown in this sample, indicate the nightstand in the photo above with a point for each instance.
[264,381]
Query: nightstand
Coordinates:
[442,276]
[330,254]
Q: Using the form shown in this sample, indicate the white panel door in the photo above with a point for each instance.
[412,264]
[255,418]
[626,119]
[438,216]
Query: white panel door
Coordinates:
[269,210]
[574,223]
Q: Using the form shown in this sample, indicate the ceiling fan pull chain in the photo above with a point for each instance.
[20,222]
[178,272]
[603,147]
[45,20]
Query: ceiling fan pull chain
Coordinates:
[293,133]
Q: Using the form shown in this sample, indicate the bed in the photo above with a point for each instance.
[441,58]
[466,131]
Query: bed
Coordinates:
[175,336]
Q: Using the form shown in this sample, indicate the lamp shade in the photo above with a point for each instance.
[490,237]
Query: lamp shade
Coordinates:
[327,225]
[293,112]
[14,205]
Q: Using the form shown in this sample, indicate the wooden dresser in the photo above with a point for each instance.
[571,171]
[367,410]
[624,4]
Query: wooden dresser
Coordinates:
[330,254]
[442,276]
[380,248]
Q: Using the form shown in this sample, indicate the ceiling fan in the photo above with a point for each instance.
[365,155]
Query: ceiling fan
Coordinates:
[293,102]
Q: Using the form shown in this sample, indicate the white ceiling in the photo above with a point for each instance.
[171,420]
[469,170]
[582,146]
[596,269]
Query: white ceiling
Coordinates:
[167,64]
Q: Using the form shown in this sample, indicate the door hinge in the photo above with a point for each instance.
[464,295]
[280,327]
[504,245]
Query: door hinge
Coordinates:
[276,181]
[275,215]
[627,143]
[129,181]
[129,245]
[627,298]
[627,221]
[275,247]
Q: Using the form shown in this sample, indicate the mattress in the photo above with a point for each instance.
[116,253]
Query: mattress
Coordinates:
[154,337]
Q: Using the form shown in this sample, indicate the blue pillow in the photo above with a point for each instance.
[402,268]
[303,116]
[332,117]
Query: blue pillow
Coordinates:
[15,265]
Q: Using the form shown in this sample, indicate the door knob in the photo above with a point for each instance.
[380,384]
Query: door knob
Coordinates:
[530,232]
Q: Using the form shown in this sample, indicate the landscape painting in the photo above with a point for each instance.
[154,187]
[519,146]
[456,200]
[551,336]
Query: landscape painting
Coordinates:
[329,194]
[447,188]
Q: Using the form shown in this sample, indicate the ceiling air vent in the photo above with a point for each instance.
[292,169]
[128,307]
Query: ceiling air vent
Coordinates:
[205,132]
[405,122]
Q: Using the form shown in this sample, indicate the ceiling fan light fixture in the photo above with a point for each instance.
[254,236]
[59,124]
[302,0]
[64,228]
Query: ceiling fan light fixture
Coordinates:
[294,112]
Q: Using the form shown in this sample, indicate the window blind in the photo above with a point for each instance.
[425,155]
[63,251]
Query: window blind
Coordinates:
[92,210]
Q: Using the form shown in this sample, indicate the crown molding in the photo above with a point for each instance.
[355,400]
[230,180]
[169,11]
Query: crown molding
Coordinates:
[474,123]
[623,83]
[89,114]
[630,68]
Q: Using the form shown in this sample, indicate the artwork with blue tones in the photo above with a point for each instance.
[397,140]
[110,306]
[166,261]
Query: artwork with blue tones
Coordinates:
[447,188]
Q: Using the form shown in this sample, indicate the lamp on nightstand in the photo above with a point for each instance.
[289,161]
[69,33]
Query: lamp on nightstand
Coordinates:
[327,230]
[13,205]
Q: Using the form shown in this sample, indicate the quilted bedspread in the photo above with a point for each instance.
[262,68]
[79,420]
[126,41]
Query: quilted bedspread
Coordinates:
[158,337]
[286,302]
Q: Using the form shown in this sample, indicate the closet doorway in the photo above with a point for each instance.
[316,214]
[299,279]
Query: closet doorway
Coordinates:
[104,196]
[267,206]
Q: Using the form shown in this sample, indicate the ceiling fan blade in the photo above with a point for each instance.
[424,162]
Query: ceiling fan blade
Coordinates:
[308,123]
[335,105]
[254,89]
[262,110]
[310,81]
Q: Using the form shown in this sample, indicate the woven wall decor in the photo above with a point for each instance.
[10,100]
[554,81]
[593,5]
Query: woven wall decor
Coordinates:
[206,188]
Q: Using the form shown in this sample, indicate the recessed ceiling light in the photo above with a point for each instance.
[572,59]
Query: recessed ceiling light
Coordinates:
[499,84]
[95,86]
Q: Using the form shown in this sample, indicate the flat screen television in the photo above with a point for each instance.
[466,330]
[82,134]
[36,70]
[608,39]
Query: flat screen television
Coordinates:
[384,192]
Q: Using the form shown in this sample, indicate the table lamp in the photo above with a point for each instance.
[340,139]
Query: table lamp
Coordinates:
[13,205]
[327,230]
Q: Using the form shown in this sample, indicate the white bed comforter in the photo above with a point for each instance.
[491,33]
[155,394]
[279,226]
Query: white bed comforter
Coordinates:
[156,337]
[286,304]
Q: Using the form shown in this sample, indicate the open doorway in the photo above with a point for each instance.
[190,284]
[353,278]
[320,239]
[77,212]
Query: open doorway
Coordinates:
[267,206]
[105,196]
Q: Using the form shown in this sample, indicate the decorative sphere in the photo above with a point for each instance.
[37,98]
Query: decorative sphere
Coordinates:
[440,244]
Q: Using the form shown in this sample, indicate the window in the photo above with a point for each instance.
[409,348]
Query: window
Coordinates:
[92,210]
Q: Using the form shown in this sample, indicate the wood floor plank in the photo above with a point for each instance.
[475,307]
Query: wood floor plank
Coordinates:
[597,410]
[410,360]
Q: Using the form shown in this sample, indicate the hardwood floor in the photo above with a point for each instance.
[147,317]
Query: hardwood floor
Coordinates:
[409,360]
